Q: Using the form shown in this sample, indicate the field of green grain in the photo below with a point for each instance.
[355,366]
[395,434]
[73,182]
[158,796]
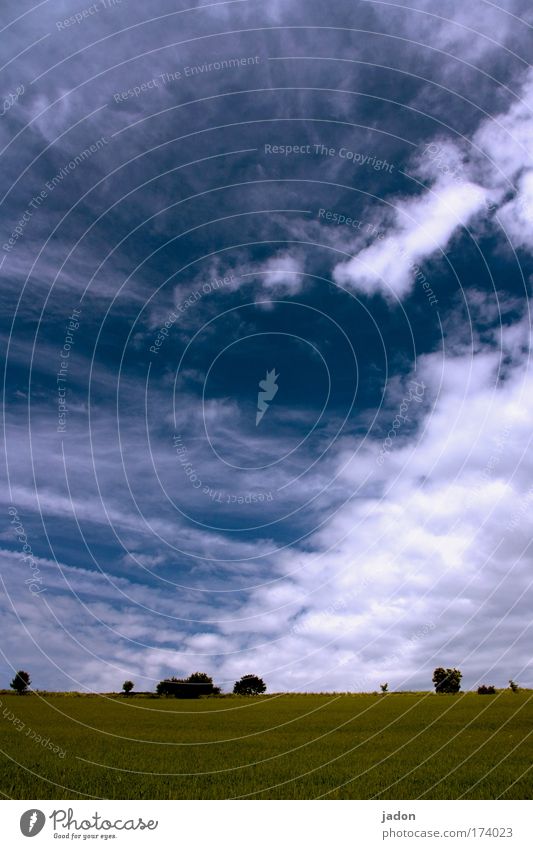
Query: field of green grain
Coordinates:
[362,746]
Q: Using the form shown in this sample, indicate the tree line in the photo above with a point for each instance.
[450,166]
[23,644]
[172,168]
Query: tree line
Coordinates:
[201,684]
[196,685]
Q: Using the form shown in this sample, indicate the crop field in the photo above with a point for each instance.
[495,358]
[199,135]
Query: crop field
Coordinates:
[362,746]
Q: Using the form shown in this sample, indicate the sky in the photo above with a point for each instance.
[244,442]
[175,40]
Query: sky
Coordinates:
[265,327]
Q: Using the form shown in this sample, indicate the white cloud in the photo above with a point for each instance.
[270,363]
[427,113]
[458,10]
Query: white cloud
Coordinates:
[282,273]
[466,182]
[415,572]
[428,558]
[516,216]
[424,226]
[507,139]
[431,571]
[472,32]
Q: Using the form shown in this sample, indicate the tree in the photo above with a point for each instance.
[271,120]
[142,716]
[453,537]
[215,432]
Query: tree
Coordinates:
[200,678]
[197,684]
[384,688]
[128,687]
[201,684]
[176,687]
[447,680]
[168,686]
[485,690]
[21,682]
[249,685]
[514,686]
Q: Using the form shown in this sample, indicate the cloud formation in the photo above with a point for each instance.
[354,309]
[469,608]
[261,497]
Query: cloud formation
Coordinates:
[366,531]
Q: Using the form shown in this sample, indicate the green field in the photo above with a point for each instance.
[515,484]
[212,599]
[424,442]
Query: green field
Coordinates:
[397,746]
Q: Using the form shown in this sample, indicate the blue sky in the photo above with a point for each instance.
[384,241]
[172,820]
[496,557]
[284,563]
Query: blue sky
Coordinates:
[194,197]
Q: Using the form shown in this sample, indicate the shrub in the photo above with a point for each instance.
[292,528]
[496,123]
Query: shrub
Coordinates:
[176,687]
[249,685]
[197,684]
[485,690]
[447,680]
[21,682]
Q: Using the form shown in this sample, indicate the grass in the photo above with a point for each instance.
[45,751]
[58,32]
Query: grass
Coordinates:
[360,746]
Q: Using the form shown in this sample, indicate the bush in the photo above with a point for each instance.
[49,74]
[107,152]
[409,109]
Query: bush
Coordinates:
[128,687]
[485,690]
[249,685]
[21,682]
[196,685]
[447,680]
[176,687]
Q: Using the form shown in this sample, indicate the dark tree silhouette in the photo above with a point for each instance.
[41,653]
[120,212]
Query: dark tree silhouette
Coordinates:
[201,684]
[200,678]
[128,687]
[447,680]
[485,690]
[21,682]
[197,684]
[249,685]
[168,687]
